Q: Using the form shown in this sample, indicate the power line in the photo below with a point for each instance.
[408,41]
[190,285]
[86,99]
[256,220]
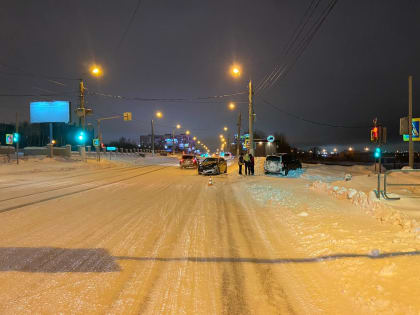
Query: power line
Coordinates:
[167,99]
[298,50]
[310,10]
[128,27]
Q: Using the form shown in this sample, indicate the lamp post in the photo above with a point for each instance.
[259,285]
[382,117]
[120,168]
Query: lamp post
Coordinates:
[178,126]
[96,71]
[236,72]
[158,115]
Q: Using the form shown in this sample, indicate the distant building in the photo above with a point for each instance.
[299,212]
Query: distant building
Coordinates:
[183,142]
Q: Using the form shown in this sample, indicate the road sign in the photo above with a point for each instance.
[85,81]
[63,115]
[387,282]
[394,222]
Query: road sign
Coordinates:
[270,138]
[9,138]
[246,143]
[95,142]
[128,116]
[416,130]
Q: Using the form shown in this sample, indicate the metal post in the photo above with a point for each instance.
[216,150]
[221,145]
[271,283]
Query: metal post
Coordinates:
[173,141]
[153,138]
[410,123]
[51,132]
[251,119]
[17,143]
[238,143]
[82,103]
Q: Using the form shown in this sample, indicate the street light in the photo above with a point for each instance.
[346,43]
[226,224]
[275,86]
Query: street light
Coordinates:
[194,138]
[158,115]
[236,72]
[178,126]
[231,105]
[225,128]
[187,132]
[96,70]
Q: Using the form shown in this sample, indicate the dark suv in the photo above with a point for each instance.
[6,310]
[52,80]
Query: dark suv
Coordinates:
[281,164]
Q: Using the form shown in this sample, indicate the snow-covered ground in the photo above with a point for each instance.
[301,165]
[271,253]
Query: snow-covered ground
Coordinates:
[129,238]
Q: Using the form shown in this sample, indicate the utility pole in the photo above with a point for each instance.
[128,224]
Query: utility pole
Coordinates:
[251,118]
[410,123]
[238,143]
[153,137]
[17,142]
[82,103]
[173,141]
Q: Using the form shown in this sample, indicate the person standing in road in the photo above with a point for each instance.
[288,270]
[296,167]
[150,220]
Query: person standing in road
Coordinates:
[240,163]
[251,164]
[246,161]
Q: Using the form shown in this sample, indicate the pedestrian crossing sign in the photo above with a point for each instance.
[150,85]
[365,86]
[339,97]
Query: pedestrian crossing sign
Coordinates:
[9,138]
[416,130]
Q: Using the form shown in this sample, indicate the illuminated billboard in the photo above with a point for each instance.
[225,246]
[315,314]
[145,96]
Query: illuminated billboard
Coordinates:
[50,112]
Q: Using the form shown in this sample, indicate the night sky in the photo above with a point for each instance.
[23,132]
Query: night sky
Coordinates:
[355,67]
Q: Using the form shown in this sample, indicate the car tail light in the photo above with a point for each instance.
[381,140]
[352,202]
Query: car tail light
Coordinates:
[195,160]
[182,161]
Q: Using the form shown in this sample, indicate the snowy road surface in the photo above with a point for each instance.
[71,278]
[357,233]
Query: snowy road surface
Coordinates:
[152,239]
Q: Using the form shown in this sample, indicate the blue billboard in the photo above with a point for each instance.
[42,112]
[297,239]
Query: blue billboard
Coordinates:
[50,112]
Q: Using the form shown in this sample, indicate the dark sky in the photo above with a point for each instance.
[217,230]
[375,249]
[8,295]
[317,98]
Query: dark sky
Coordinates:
[354,69]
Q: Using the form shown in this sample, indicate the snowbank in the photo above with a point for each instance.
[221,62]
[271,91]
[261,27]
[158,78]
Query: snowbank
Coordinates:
[370,203]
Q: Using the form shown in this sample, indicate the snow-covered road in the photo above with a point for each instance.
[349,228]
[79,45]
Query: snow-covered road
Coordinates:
[152,239]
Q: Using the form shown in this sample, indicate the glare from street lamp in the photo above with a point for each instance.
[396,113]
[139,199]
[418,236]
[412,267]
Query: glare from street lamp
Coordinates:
[159,114]
[225,128]
[221,136]
[178,126]
[198,141]
[96,70]
[194,138]
[187,132]
[235,70]
[350,149]
[231,105]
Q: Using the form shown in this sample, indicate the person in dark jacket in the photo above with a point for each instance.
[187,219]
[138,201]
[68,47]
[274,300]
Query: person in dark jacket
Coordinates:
[251,165]
[241,162]
[246,161]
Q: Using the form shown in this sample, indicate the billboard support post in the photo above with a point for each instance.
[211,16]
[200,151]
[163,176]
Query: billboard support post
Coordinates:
[51,132]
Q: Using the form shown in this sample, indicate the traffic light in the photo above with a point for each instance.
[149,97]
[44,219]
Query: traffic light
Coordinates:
[377,153]
[374,134]
[15,137]
[128,116]
[81,137]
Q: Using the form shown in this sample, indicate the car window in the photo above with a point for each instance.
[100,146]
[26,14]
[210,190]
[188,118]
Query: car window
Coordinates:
[273,158]
[210,160]
[222,159]
[187,157]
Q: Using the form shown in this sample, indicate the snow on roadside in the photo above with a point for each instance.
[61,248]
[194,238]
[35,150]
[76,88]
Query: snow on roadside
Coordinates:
[369,203]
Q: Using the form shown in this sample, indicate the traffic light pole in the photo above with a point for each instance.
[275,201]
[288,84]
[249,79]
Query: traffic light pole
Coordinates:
[17,142]
[82,103]
[410,123]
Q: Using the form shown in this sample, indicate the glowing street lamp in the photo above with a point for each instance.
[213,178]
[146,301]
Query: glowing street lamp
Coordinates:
[225,128]
[232,106]
[159,114]
[96,70]
[194,138]
[235,71]
[178,126]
